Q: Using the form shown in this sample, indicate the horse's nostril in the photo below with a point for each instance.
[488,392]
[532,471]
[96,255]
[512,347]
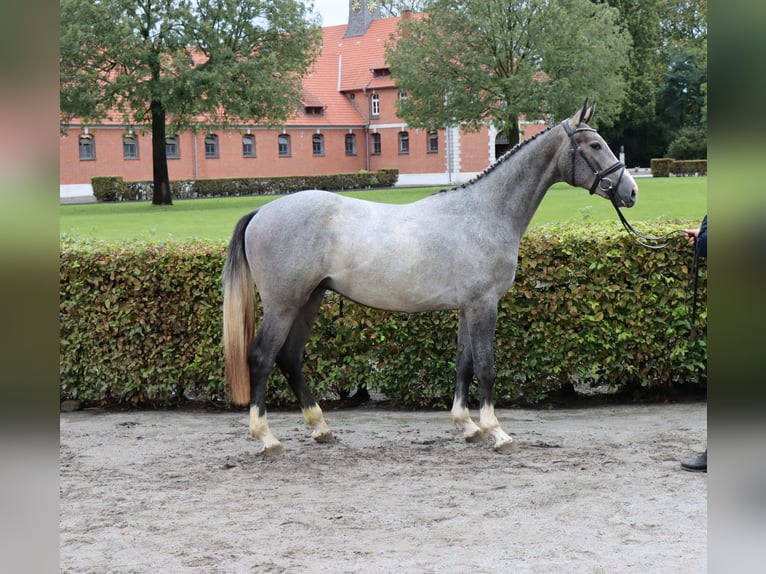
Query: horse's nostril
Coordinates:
[633,194]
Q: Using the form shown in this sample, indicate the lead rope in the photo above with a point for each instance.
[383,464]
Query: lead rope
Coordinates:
[637,236]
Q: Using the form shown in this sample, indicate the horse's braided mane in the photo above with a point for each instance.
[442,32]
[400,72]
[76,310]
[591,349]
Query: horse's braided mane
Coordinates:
[503,158]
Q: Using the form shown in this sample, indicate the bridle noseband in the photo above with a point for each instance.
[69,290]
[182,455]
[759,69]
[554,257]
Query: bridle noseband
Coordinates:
[601,181]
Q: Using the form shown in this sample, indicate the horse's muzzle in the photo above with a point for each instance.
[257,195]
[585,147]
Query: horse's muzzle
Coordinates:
[631,201]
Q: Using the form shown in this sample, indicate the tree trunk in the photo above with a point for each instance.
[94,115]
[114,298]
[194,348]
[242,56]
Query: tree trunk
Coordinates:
[161,195]
[513,130]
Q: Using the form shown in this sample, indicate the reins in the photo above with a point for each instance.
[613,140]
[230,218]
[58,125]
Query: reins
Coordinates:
[640,238]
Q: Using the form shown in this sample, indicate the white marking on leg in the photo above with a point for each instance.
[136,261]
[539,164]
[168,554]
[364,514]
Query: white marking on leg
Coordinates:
[259,429]
[489,424]
[462,419]
[315,419]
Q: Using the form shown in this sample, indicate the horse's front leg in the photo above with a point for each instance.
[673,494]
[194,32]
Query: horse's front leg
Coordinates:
[482,331]
[461,417]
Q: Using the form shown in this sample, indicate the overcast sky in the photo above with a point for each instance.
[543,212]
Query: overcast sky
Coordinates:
[333,12]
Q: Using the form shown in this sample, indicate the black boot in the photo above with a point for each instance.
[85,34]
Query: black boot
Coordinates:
[699,464]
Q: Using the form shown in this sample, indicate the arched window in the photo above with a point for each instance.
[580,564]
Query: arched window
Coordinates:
[284,145]
[376,144]
[211,146]
[87,145]
[350,144]
[317,144]
[433,142]
[172,148]
[129,147]
[404,142]
[248,145]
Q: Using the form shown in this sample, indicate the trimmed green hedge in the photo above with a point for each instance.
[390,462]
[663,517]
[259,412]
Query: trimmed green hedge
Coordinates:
[141,324]
[665,167]
[115,189]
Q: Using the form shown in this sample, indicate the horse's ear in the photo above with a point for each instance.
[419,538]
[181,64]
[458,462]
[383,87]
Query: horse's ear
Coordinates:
[586,113]
[582,116]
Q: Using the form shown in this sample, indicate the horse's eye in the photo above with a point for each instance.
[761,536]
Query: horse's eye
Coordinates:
[596,146]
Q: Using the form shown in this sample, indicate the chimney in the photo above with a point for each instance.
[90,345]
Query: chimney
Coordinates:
[361,13]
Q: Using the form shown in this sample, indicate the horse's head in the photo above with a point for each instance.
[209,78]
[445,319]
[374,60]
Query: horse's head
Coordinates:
[590,164]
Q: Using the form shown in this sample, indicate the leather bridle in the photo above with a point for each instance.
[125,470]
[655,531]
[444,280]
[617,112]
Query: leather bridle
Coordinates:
[601,181]
[608,186]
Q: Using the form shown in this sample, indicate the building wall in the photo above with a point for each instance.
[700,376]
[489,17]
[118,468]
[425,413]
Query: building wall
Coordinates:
[471,152]
[192,163]
[418,167]
[475,151]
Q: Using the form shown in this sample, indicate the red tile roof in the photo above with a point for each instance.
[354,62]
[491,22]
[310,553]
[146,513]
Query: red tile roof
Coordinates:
[344,65]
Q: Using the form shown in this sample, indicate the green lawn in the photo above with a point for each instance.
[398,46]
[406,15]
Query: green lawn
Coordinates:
[683,198]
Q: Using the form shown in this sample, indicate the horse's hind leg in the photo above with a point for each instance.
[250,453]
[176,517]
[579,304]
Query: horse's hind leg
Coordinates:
[290,361]
[460,414]
[261,356]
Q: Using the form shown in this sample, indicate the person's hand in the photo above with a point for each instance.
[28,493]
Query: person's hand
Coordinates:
[692,234]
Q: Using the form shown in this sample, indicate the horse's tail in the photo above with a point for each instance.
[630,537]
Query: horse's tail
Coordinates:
[239,305]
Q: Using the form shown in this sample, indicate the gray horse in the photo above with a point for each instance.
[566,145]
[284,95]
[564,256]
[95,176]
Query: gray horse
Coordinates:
[456,249]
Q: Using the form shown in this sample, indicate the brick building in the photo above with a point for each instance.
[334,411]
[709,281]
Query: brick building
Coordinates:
[347,122]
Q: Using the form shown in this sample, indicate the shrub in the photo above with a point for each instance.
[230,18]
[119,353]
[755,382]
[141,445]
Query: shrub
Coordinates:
[108,188]
[689,143]
[142,324]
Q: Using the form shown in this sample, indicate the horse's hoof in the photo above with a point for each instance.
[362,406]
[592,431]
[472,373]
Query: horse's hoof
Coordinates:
[273,450]
[324,438]
[508,447]
[474,437]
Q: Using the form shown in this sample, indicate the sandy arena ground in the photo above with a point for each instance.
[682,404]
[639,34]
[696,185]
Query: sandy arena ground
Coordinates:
[593,490]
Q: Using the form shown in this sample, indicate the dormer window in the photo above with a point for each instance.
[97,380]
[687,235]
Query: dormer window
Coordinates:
[313,110]
[381,72]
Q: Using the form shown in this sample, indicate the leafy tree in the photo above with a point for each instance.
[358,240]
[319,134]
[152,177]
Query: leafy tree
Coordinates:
[684,22]
[682,98]
[666,76]
[636,128]
[179,64]
[470,62]
[396,7]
